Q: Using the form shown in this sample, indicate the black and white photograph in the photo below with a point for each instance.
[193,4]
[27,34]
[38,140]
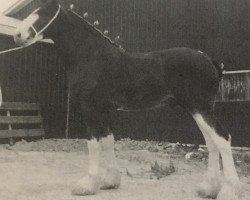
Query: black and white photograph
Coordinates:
[124,99]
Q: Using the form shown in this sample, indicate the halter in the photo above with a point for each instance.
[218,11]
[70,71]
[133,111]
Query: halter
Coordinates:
[37,33]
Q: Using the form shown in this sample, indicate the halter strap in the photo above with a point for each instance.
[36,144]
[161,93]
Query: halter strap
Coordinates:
[37,33]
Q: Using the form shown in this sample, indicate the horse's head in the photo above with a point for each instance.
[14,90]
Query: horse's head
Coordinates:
[33,28]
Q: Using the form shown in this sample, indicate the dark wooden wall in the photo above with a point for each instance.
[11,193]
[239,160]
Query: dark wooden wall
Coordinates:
[36,74]
[218,27]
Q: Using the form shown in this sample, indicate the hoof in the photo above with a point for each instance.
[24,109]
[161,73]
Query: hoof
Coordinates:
[230,191]
[88,185]
[209,188]
[111,179]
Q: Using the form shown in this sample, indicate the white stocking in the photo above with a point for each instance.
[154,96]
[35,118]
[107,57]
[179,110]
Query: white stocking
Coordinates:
[210,187]
[231,188]
[90,183]
[111,177]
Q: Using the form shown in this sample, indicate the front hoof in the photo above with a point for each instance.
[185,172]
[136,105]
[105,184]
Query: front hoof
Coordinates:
[209,188]
[230,191]
[111,179]
[88,185]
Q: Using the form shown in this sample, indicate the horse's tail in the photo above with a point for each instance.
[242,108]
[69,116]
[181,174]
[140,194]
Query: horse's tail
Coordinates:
[219,67]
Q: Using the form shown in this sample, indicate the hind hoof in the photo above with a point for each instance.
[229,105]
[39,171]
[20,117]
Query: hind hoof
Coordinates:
[88,185]
[111,179]
[230,191]
[209,188]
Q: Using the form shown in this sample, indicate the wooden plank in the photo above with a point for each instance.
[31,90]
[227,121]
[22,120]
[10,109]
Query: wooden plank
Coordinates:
[20,106]
[236,72]
[233,148]
[20,120]
[8,115]
[21,133]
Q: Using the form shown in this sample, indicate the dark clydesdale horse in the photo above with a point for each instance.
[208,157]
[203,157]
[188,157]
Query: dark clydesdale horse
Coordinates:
[104,77]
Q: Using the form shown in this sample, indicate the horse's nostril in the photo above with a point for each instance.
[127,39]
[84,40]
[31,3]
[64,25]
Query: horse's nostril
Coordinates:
[18,35]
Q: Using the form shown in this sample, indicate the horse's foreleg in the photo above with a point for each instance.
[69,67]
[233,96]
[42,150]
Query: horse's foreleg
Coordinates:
[111,176]
[231,187]
[90,183]
[211,185]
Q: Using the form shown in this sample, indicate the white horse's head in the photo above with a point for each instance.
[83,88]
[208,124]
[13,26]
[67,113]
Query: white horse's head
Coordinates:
[25,33]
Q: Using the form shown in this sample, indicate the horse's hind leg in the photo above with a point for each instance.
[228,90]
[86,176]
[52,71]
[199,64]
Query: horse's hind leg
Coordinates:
[210,186]
[111,177]
[231,186]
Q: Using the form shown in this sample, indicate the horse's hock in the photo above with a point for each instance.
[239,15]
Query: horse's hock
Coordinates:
[20,120]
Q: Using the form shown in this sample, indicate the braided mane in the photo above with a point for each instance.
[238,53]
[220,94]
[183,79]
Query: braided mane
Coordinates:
[98,31]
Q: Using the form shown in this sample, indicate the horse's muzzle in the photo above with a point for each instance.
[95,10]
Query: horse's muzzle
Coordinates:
[25,38]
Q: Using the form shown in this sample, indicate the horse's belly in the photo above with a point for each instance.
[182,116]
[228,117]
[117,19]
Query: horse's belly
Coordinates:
[139,98]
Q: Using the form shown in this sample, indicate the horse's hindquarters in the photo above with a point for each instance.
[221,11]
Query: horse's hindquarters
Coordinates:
[192,79]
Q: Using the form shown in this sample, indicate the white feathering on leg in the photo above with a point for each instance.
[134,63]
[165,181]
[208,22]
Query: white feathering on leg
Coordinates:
[211,184]
[232,186]
[94,156]
[112,176]
[108,149]
[90,183]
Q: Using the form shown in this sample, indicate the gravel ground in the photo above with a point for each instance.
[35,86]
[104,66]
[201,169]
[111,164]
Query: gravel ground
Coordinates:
[48,169]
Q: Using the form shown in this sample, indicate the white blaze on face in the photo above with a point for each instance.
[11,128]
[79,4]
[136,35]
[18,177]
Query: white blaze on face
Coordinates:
[23,34]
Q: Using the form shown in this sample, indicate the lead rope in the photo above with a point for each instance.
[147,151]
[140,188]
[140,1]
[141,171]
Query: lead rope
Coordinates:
[37,34]
[13,49]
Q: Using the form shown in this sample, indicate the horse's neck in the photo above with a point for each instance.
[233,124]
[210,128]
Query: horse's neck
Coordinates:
[81,44]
